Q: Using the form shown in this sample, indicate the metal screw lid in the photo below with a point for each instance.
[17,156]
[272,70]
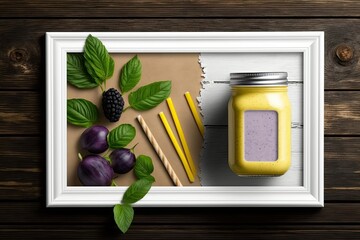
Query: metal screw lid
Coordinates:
[259,78]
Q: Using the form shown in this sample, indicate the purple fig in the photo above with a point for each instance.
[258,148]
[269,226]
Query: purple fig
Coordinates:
[122,160]
[94,170]
[94,139]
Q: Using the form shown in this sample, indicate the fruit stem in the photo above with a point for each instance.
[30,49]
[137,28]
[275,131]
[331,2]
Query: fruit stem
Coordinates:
[102,89]
[107,159]
[106,154]
[132,149]
[80,157]
[126,109]
[113,183]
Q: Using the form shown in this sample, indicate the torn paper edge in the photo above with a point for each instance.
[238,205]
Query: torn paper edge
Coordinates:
[199,100]
[204,81]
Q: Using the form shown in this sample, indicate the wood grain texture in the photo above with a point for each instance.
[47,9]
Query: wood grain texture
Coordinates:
[22,44]
[342,168]
[168,231]
[22,167]
[179,8]
[22,113]
[23,214]
[342,113]
[36,213]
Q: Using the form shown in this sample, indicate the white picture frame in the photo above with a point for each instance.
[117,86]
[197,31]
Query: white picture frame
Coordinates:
[310,44]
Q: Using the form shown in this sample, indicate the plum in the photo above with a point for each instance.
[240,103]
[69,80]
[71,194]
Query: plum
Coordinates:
[122,160]
[94,170]
[94,139]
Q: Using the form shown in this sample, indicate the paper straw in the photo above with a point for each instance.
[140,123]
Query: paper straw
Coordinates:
[176,146]
[181,135]
[159,152]
[195,113]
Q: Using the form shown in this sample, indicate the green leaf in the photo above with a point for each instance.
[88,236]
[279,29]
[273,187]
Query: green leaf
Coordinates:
[143,166]
[121,136]
[123,216]
[81,112]
[137,190]
[98,62]
[76,72]
[149,178]
[130,74]
[149,96]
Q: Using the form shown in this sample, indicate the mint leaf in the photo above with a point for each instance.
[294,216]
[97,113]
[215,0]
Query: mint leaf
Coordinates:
[123,216]
[130,74]
[149,96]
[81,112]
[143,166]
[98,62]
[149,178]
[121,136]
[137,191]
[76,72]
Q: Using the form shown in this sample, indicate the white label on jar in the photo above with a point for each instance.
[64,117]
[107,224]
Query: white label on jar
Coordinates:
[261,135]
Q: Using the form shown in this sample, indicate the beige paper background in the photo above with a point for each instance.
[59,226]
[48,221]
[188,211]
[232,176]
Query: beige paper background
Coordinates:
[185,73]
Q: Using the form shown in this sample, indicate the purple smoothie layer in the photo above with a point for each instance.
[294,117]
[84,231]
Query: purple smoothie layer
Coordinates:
[261,135]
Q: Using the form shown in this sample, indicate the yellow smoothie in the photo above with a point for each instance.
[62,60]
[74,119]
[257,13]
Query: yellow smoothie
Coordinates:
[259,129]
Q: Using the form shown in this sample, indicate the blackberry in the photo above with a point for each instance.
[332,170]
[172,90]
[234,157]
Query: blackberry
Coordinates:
[112,103]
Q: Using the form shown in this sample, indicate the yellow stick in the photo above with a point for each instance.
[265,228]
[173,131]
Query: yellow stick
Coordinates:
[181,135]
[158,150]
[177,146]
[195,113]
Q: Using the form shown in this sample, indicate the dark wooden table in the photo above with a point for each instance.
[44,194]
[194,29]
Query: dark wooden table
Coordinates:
[23,24]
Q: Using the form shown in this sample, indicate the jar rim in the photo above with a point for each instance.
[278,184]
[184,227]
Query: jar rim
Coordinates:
[259,78]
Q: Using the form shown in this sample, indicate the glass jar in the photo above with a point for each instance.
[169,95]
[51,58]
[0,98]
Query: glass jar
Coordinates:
[259,129]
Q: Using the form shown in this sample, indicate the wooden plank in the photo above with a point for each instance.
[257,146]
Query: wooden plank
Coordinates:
[22,165]
[186,231]
[22,113]
[215,170]
[183,8]
[22,154]
[36,213]
[214,98]
[22,44]
[342,168]
[218,66]
[342,113]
